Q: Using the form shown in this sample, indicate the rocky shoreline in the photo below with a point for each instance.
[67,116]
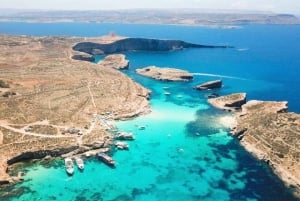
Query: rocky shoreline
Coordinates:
[268,132]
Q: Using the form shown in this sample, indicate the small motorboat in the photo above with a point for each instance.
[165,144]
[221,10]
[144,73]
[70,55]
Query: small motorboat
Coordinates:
[122,145]
[79,163]
[69,166]
[106,159]
[124,136]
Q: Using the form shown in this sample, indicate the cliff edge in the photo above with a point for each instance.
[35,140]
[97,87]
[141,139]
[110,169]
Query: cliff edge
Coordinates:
[136,44]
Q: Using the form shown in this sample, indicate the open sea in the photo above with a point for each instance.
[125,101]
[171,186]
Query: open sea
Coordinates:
[185,151]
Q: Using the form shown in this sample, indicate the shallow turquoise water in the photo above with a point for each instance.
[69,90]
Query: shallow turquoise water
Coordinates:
[185,152]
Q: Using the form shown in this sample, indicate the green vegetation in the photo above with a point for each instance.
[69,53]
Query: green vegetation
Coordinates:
[3,84]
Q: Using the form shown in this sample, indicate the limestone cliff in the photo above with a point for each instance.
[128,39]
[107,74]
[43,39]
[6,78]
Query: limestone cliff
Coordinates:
[136,44]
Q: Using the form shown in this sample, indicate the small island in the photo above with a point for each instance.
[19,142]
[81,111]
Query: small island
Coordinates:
[215,84]
[229,102]
[165,73]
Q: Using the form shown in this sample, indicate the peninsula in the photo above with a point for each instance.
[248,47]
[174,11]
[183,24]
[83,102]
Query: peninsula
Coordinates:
[269,132]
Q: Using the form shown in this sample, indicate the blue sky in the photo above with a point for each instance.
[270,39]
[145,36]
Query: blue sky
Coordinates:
[279,6]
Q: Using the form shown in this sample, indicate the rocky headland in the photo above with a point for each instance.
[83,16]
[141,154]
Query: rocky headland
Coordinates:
[215,84]
[165,73]
[116,61]
[136,44]
[269,132]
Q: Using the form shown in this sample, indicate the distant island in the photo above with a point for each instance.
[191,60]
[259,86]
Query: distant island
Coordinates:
[217,18]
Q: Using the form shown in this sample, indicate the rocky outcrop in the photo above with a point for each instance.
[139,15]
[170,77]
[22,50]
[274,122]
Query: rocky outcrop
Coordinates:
[136,44]
[229,102]
[165,74]
[270,133]
[215,84]
[116,61]
[83,57]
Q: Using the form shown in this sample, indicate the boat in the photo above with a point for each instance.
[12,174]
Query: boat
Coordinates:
[69,166]
[122,145]
[79,163]
[106,159]
[142,127]
[124,136]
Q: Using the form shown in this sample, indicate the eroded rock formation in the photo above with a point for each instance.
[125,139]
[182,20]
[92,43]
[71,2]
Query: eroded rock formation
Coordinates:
[215,84]
[229,102]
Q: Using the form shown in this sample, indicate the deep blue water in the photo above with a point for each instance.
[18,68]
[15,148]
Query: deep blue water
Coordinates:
[167,161]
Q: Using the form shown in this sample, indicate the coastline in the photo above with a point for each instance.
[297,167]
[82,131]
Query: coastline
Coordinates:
[44,129]
[263,129]
[139,105]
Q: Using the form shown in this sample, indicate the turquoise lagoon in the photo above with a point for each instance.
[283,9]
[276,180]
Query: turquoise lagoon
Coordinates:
[185,151]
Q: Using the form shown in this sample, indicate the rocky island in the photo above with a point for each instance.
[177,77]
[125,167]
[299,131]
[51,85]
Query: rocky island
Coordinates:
[165,73]
[229,102]
[215,84]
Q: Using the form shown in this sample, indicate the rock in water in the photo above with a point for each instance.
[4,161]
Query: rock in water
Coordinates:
[215,84]
[229,102]
[165,73]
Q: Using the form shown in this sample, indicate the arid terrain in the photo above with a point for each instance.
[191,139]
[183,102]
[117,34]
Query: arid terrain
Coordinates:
[44,92]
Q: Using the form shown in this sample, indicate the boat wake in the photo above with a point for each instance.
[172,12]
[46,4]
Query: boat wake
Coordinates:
[220,76]
[242,49]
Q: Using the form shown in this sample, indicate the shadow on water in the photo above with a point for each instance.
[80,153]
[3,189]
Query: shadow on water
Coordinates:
[206,123]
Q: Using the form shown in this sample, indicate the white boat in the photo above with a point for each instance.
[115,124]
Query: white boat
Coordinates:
[69,166]
[79,163]
[121,145]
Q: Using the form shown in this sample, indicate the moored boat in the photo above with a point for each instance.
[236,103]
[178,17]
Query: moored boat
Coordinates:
[124,136]
[122,145]
[106,159]
[69,166]
[79,163]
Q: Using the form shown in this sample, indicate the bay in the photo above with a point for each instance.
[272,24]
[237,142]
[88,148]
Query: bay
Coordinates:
[185,151]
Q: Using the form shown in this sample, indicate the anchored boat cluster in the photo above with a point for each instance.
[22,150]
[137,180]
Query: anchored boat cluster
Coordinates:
[102,156]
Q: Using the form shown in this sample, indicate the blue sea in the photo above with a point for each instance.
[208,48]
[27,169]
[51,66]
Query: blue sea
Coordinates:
[185,151]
